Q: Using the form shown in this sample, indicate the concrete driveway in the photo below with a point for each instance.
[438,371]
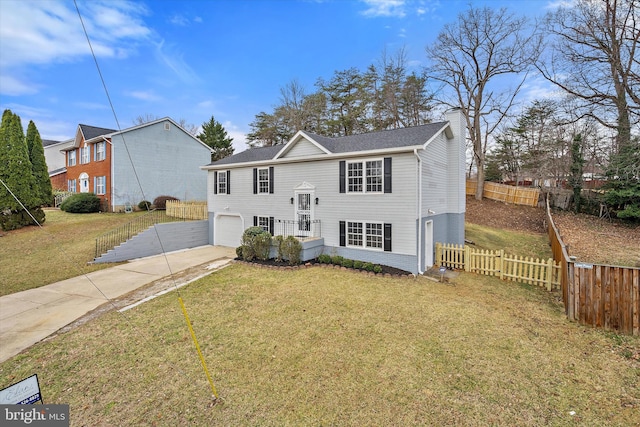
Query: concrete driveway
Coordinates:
[28,317]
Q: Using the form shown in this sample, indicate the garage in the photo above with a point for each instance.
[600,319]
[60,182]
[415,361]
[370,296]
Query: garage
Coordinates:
[228,230]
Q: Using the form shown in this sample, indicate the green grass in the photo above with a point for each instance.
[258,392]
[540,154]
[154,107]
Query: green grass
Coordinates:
[513,242]
[32,256]
[319,346]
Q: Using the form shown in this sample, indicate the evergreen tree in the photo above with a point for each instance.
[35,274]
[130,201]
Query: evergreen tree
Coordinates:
[17,177]
[215,136]
[624,181]
[39,165]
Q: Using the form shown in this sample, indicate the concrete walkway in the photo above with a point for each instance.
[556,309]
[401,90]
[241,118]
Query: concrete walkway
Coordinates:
[28,317]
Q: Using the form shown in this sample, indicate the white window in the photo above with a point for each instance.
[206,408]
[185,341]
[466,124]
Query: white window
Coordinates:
[71,158]
[222,183]
[84,155]
[365,234]
[365,176]
[374,235]
[100,151]
[100,185]
[84,183]
[263,180]
[71,185]
[374,176]
[354,177]
[354,234]
[263,221]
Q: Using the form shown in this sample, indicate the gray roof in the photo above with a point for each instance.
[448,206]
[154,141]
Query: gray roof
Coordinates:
[91,132]
[251,155]
[386,139]
[47,142]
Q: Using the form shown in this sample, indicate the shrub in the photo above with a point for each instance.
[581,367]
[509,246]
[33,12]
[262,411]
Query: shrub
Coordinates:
[336,260]
[262,245]
[160,202]
[324,259]
[279,241]
[367,266]
[357,264]
[257,244]
[377,268]
[81,203]
[292,250]
[144,205]
[347,263]
[239,251]
[12,220]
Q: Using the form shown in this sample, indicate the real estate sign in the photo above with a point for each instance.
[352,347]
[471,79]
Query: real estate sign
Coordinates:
[24,392]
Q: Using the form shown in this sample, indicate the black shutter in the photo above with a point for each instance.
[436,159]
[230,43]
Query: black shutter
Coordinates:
[271,219]
[387,174]
[255,221]
[228,182]
[387,237]
[215,182]
[343,174]
[343,233]
[271,179]
[255,180]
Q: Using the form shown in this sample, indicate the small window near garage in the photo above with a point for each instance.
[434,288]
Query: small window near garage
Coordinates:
[222,183]
[264,222]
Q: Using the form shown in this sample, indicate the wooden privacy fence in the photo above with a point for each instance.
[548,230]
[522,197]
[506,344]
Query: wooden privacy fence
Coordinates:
[544,273]
[505,193]
[603,296]
[195,210]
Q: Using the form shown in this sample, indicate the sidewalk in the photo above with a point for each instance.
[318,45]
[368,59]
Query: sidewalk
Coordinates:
[28,317]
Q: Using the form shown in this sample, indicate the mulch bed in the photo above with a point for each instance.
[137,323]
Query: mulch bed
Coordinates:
[283,265]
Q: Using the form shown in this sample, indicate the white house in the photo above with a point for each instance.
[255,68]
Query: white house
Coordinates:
[383,197]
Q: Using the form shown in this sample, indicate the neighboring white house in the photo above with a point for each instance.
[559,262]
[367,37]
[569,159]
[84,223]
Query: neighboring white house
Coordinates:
[141,162]
[56,161]
[382,197]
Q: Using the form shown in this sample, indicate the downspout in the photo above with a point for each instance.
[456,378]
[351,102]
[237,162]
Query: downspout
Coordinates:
[111,172]
[419,209]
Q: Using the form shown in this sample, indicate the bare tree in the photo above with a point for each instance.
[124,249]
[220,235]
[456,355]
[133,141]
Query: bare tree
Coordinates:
[594,58]
[470,56]
[148,117]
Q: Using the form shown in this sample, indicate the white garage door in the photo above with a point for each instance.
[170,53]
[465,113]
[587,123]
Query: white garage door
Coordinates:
[228,230]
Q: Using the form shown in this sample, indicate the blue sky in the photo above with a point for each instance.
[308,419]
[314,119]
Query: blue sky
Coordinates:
[193,59]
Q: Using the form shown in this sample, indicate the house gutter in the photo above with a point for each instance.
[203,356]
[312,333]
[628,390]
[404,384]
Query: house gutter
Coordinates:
[419,209]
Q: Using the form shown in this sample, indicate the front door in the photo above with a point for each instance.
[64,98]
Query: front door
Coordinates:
[303,214]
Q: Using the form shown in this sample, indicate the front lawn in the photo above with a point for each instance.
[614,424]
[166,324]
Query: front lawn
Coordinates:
[320,346]
[32,256]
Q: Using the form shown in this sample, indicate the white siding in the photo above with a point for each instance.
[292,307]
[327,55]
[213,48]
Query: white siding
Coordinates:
[397,208]
[434,176]
[456,159]
[303,148]
[166,163]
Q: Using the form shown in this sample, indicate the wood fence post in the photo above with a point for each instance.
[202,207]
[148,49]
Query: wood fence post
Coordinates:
[550,265]
[501,265]
[438,254]
[467,258]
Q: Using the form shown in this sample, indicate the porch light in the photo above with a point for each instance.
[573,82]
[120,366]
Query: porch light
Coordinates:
[292,200]
[317,200]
